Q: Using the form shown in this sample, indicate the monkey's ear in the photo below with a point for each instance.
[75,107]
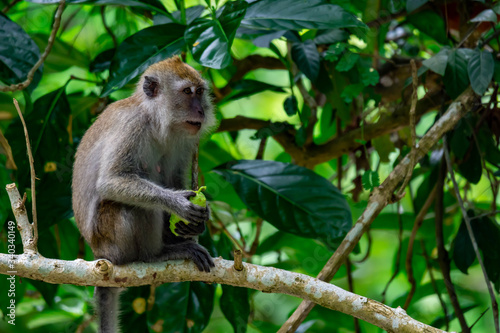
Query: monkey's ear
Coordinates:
[151,86]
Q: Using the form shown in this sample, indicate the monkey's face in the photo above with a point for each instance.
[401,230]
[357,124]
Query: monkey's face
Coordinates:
[192,105]
[180,96]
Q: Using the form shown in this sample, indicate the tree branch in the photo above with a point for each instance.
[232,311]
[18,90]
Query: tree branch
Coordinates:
[382,196]
[268,279]
[52,38]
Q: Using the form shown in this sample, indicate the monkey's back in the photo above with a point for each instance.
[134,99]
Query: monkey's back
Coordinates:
[98,219]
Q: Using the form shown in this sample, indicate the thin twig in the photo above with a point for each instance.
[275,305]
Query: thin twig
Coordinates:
[368,249]
[350,282]
[10,5]
[409,254]
[398,254]
[413,119]
[52,38]
[255,243]
[262,147]
[494,303]
[443,257]
[108,29]
[32,173]
[434,284]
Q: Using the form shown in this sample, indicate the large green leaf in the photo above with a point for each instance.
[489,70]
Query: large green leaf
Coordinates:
[18,54]
[481,68]
[456,77]
[142,49]
[487,234]
[438,62]
[297,15]
[430,23]
[211,40]
[307,58]
[292,198]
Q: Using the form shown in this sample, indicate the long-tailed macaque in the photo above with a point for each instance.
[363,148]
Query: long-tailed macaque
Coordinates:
[130,173]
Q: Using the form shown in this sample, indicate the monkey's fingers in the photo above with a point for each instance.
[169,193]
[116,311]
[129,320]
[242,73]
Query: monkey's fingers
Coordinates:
[197,214]
[189,230]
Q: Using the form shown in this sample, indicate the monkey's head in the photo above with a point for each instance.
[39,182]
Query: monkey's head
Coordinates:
[178,96]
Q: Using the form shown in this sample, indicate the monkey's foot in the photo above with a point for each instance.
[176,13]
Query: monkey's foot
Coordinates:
[189,250]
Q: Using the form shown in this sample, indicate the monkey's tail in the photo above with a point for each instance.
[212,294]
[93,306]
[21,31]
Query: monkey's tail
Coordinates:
[107,308]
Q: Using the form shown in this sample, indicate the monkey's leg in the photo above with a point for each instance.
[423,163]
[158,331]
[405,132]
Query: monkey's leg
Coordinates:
[107,308]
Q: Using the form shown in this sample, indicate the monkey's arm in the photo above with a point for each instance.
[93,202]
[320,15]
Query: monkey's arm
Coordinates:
[131,189]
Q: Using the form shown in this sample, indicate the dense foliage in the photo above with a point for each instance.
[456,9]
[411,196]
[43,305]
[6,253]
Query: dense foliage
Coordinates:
[310,94]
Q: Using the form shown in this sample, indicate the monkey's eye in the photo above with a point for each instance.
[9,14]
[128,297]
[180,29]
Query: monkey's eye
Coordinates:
[187,91]
[199,91]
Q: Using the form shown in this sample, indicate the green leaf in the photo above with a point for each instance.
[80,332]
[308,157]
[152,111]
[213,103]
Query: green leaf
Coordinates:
[369,76]
[211,40]
[142,49]
[430,23]
[334,51]
[297,15]
[182,306]
[192,13]
[102,61]
[301,136]
[235,305]
[331,36]
[463,252]
[489,148]
[351,92]
[438,62]
[18,54]
[456,77]
[307,58]
[154,5]
[370,180]
[411,5]
[471,167]
[487,15]
[292,198]
[290,105]
[481,68]
[347,61]
[496,74]
[246,88]
[487,234]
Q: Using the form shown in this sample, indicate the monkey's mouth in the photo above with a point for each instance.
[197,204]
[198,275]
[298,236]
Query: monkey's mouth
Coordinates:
[196,124]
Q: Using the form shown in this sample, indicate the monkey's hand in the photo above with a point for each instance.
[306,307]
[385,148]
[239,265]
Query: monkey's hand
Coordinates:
[189,211]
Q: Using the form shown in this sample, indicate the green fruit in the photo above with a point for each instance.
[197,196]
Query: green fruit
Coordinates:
[199,199]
